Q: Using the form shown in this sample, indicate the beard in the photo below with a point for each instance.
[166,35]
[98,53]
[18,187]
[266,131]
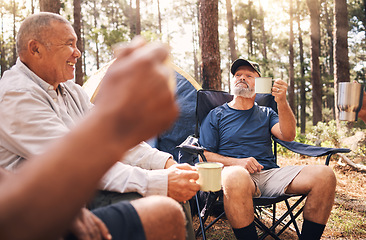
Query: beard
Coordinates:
[245,92]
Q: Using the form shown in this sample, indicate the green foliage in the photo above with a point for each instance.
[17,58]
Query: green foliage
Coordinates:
[150,36]
[114,36]
[326,134]
[299,138]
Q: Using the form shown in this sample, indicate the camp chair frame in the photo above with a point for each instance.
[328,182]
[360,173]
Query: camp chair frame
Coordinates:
[218,98]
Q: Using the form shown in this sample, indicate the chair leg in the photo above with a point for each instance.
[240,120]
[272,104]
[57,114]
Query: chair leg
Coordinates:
[200,219]
[293,220]
[289,212]
[266,231]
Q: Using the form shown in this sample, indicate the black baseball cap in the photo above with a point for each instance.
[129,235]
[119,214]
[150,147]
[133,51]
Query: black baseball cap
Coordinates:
[242,62]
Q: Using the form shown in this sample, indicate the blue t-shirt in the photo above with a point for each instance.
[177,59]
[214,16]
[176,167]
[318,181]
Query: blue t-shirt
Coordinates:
[240,133]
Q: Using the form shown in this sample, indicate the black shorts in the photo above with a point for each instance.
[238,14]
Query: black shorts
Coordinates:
[122,221]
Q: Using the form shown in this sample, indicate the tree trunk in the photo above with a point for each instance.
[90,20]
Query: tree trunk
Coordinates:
[264,38]
[330,39]
[211,72]
[53,6]
[138,18]
[83,52]
[250,30]
[32,6]
[96,35]
[329,64]
[131,21]
[364,15]
[159,19]
[77,27]
[341,62]
[2,47]
[314,8]
[291,88]
[302,80]
[14,59]
[229,16]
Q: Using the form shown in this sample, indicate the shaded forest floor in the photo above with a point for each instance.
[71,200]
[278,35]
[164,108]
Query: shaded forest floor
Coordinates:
[348,217]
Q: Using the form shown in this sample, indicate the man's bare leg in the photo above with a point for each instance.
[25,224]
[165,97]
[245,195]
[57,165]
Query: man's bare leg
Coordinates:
[238,190]
[162,218]
[319,183]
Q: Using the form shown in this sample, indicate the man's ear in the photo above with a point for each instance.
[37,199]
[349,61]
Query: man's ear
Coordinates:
[33,47]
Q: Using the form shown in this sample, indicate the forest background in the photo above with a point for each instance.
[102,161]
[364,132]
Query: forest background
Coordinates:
[312,44]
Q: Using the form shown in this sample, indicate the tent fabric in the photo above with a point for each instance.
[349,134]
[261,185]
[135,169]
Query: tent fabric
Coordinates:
[185,95]
[91,86]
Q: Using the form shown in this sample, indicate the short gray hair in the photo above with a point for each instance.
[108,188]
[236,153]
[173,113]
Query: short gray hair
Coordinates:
[34,27]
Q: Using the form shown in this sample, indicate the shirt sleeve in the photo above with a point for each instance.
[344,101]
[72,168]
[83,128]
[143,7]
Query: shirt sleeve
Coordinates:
[28,123]
[146,157]
[126,178]
[209,133]
[273,118]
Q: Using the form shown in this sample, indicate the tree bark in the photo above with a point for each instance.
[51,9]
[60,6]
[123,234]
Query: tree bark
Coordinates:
[291,88]
[302,73]
[229,16]
[53,6]
[96,16]
[330,39]
[364,15]
[211,72]
[314,8]
[14,12]
[264,38]
[250,30]
[2,47]
[341,62]
[159,19]
[138,18]
[77,27]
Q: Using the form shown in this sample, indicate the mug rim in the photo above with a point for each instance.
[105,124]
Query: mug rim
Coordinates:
[199,164]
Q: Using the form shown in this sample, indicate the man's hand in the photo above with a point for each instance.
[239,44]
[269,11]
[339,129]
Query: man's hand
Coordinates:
[279,90]
[87,226]
[182,184]
[134,94]
[250,164]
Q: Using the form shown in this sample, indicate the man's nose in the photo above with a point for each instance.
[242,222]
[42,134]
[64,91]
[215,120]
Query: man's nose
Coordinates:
[77,53]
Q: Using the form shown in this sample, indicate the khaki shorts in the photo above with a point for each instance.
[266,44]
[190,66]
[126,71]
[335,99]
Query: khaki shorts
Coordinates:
[274,182]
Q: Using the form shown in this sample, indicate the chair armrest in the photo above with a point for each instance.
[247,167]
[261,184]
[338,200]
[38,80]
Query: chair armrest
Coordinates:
[191,145]
[310,150]
[192,149]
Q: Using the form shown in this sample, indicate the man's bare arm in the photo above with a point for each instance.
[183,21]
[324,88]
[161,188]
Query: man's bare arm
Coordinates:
[249,164]
[286,128]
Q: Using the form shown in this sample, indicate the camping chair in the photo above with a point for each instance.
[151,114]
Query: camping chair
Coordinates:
[209,99]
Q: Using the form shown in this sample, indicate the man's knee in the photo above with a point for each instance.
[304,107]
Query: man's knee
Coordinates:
[158,211]
[324,176]
[161,205]
[236,179]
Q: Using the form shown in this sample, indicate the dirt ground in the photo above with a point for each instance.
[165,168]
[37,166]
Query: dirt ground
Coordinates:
[348,217]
